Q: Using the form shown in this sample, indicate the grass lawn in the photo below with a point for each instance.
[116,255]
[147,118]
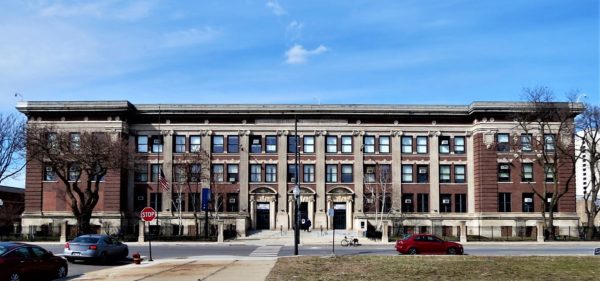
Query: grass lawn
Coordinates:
[379,268]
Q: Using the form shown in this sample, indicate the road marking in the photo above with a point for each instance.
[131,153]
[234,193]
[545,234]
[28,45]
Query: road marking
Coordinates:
[266,251]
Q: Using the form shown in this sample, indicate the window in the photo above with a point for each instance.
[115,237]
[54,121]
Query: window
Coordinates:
[407,173]
[370,173]
[460,203]
[528,202]
[422,174]
[157,144]
[421,144]
[49,174]
[459,173]
[292,171]
[142,144]
[292,144]
[459,145]
[271,173]
[385,173]
[74,172]
[75,141]
[504,202]
[422,202]
[309,144]
[179,144]
[549,172]
[233,144]
[331,173]
[232,173]
[331,146]
[271,144]
[217,144]
[179,174]
[384,144]
[548,203]
[346,144]
[195,172]
[527,172]
[347,173]
[407,144]
[156,201]
[195,143]
[504,172]
[407,203]
[526,143]
[195,201]
[52,142]
[369,145]
[255,144]
[178,201]
[549,141]
[218,173]
[155,169]
[445,203]
[255,172]
[444,145]
[445,174]
[503,142]
[309,173]
[232,202]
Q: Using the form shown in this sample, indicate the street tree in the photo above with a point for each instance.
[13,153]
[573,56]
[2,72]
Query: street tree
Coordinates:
[377,192]
[12,146]
[80,161]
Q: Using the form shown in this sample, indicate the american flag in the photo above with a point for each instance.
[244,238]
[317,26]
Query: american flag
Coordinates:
[163,181]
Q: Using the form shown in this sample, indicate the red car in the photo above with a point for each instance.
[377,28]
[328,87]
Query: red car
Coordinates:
[20,261]
[427,244]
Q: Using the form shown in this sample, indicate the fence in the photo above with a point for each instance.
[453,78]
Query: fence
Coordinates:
[174,232]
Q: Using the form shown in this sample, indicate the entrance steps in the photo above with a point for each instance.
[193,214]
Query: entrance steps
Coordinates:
[286,237]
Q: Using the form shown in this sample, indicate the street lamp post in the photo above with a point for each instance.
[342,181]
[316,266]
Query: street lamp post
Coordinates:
[296,190]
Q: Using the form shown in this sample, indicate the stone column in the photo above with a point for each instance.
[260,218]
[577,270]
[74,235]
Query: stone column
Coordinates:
[272,225]
[384,232]
[240,225]
[349,219]
[290,212]
[283,216]
[311,212]
[243,170]
[358,170]
[253,212]
[141,230]
[220,236]
[463,232]
[167,165]
[330,219]
[63,231]
[321,217]
[470,174]
[434,173]
[540,231]
[396,171]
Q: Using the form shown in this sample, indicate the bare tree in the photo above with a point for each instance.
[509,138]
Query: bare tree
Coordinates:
[12,146]
[588,134]
[377,191]
[545,136]
[80,161]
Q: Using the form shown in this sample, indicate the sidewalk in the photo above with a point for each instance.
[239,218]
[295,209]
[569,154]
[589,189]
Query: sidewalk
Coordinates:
[213,268]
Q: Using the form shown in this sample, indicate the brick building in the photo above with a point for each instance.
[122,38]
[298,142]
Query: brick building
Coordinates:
[12,200]
[437,165]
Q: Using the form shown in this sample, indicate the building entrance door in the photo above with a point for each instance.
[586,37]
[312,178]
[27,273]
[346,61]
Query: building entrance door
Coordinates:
[263,217]
[339,216]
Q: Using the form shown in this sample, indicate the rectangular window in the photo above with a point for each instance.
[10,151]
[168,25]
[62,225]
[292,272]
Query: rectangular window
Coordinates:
[155,170]
[384,144]
[195,201]
[548,203]
[369,173]
[292,171]
[460,203]
[255,173]
[232,202]
[549,172]
[74,172]
[528,202]
[331,146]
[445,203]
[156,201]
[459,145]
[347,175]
[255,144]
[526,143]
[218,173]
[195,144]
[407,173]
[444,145]
[331,173]
[309,173]
[157,144]
[421,144]
[527,172]
[422,202]
[504,202]
[49,174]
[232,173]
[407,203]
[504,172]
[445,174]
[271,144]
[179,144]
[75,141]
[53,142]
[142,144]
[309,144]
[346,144]
[422,173]
[459,173]
[179,174]
[385,173]
[271,173]
[292,144]
[407,144]
[195,172]
[178,202]
[369,145]
[503,142]
[217,144]
[549,140]
[233,144]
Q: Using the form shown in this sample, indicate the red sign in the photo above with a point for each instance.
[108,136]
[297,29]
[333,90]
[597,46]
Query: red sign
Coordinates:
[148,214]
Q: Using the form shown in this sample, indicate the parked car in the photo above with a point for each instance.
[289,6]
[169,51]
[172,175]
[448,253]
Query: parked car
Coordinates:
[21,261]
[427,244]
[102,248]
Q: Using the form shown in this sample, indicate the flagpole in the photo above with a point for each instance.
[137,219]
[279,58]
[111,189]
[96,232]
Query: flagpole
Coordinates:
[159,167]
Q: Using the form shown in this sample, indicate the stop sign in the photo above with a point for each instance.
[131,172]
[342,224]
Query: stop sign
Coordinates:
[148,214]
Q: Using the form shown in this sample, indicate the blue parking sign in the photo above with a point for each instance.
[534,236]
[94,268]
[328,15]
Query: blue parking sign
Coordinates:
[205,198]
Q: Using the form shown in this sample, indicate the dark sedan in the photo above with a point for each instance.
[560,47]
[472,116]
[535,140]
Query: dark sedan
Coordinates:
[427,244]
[98,247]
[21,261]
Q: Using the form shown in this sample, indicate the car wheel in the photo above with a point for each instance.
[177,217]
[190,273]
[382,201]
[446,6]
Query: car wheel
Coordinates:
[412,251]
[61,272]
[15,276]
[451,251]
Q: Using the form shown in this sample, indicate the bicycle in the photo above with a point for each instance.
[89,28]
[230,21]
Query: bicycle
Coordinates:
[352,241]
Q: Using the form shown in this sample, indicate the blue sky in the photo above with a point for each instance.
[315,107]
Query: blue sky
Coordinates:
[283,51]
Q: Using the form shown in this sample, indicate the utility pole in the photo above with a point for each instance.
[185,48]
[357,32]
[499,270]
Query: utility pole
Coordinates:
[296,190]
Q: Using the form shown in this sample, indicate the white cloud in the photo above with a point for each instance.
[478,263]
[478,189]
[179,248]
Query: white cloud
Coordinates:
[111,9]
[277,9]
[294,30]
[189,37]
[298,55]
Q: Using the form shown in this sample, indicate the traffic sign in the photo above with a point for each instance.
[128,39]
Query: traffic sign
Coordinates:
[148,214]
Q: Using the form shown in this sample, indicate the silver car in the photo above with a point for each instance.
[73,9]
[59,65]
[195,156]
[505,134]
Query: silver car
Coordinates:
[98,247]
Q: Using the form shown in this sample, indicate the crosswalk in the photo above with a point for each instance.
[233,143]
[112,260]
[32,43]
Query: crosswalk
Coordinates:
[266,251]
